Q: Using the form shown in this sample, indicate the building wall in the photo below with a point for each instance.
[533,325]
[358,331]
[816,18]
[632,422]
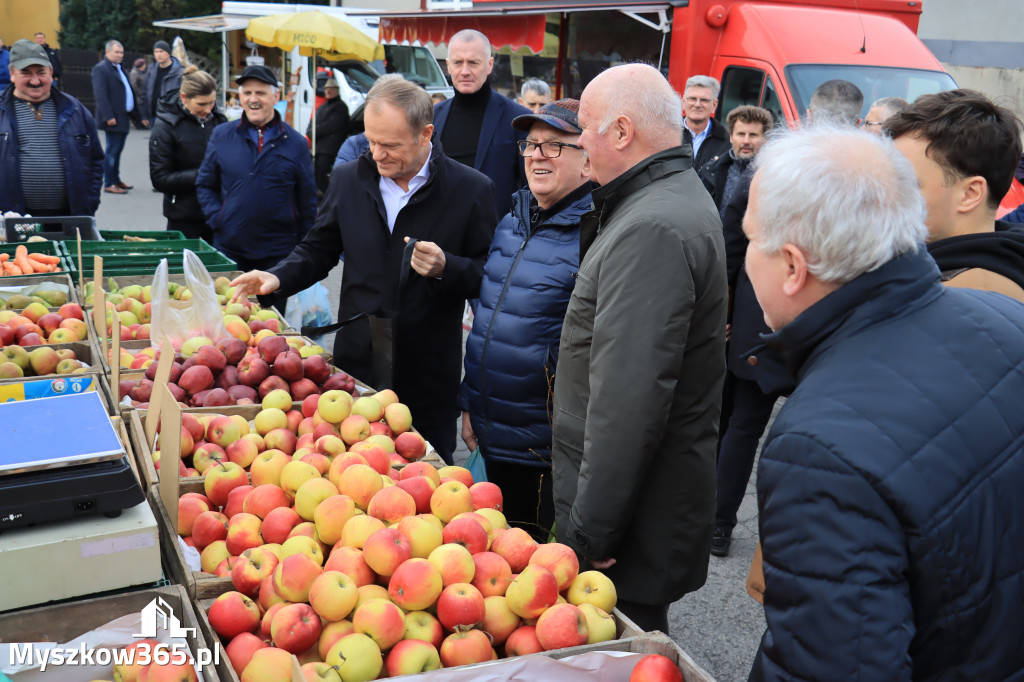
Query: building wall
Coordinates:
[981,44]
[24,18]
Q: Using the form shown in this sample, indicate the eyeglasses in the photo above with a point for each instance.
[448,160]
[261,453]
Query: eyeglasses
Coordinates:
[695,100]
[549,150]
[872,124]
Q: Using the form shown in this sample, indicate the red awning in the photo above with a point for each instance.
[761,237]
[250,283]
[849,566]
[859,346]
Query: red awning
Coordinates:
[516,30]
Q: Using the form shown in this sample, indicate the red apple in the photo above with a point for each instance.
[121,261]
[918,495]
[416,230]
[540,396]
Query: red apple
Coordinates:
[656,668]
[252,370]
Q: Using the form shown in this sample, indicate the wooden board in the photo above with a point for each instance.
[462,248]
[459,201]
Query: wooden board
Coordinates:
[64,622]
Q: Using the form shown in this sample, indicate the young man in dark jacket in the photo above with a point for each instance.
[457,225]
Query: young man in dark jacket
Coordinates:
[512,349]
[162,77]
[256,181]
[638,385]
[889,484]
[405,188]
[183,126]
[51,160]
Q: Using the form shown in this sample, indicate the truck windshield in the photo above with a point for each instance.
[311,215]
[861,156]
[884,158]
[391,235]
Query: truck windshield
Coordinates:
[874,81]
[416,64]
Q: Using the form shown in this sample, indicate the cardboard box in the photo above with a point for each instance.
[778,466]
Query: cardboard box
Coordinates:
[63,623]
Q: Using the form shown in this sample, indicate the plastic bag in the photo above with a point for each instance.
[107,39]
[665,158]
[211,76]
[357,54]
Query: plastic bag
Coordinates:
[177,321]
[309,308]
[477,466]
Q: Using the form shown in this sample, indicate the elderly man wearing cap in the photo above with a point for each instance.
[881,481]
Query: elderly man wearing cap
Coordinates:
[527,281]
[51,160]
[164,77]
[116,103]
[331,131]
[256,181]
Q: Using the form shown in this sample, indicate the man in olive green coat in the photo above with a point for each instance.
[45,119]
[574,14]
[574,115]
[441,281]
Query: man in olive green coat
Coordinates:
[642,358]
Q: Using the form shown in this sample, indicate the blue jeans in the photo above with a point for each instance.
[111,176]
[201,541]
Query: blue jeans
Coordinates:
[112,158]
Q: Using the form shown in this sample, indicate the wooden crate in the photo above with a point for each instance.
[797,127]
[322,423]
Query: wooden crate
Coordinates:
[624,642]
[64,622]
[197,584]
[57,384]
[14,281]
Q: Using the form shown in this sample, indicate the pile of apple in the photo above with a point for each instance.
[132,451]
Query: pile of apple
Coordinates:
[36,325]
[134,307]
[136,358]
[17,362]
[358,572]
[229,372]
[279,434]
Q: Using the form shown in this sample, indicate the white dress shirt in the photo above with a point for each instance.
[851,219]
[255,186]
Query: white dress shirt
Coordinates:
[395,198]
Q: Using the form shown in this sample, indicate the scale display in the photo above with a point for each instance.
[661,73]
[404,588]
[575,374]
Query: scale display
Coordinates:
[46,433]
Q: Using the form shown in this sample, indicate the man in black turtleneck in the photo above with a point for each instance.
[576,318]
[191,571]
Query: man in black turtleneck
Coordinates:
[475,126]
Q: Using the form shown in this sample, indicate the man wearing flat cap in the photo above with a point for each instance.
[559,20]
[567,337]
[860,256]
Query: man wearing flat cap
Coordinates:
[255,184]
[51,160]
[527,282]
[164,77]
[331,131]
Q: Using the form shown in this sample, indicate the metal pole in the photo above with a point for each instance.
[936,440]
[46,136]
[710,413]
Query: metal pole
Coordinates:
[223,71]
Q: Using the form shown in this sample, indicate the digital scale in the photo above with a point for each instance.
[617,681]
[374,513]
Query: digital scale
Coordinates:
[60,459]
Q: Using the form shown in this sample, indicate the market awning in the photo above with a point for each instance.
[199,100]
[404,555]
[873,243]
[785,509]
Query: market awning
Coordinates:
[211,23]
[516,23]
[516,31]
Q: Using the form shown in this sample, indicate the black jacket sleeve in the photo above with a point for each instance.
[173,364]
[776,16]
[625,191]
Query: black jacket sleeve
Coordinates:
[163,171]
[463,272]
[318,252]
[732,227]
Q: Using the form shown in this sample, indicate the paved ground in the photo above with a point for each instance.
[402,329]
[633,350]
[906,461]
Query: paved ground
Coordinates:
[719,625]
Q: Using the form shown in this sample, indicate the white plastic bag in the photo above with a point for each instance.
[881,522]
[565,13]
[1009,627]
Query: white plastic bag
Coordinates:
[177,321]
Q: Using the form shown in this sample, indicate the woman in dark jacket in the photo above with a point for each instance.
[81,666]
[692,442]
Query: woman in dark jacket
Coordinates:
[185,120]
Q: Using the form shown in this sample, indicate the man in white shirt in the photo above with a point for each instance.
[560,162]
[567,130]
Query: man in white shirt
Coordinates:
[404,188]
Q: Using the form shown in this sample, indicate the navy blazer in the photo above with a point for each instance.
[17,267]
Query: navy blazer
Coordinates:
[110,97]
[496,154]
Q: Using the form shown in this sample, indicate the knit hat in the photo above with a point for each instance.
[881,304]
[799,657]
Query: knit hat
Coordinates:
[139,63]
[561,115]
[162,45]
[25,53]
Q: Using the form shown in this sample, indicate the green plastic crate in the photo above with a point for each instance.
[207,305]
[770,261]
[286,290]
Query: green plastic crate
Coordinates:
[163,249]
[159,235]
[119,265]
[47,248]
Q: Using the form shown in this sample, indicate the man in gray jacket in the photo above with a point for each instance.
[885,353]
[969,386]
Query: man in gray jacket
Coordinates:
[642,355]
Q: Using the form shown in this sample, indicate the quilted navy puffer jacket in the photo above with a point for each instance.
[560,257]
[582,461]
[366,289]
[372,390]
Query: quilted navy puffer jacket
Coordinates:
[513,348]
[891,486]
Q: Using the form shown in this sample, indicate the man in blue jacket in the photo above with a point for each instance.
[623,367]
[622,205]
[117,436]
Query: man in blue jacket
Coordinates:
[256,182]
[475,126]
[51,160]
[889,485]
[512,349]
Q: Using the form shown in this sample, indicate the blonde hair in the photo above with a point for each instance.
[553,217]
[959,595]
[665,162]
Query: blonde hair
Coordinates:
[196,83]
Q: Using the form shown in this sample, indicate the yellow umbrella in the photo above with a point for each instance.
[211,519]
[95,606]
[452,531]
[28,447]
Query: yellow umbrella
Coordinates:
[314,32]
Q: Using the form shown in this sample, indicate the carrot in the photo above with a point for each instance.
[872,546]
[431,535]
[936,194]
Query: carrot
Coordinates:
[4,257]
[21,259]
[13,269]
[43,258]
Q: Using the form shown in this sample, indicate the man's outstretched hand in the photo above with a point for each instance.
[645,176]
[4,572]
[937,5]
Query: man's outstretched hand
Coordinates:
[253,283]
[427,259]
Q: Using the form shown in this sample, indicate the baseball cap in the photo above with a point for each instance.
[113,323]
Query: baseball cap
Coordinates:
[260,73]
[27,53]
[331,83]
[562,114]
